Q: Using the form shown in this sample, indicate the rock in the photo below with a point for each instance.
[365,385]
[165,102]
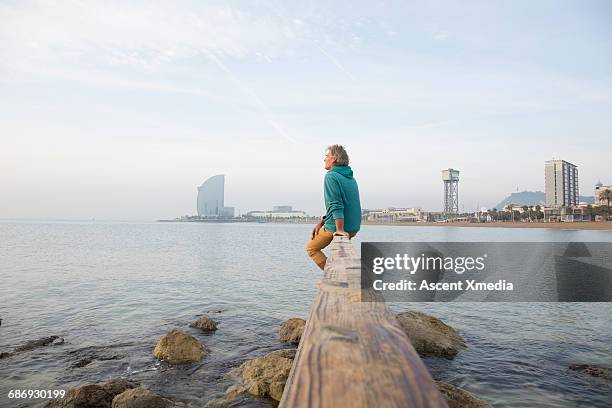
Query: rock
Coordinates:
[118,385]
[267,375]
[430,336]
[291,331]
[234,397]
[204,323]
[89,359]
[140,398]
[86,355]
[594,371]
[45,341]
[32,344]
[93,395]
[459,398]
[178,347]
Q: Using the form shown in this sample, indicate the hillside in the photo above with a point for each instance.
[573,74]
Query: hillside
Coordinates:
[532,198]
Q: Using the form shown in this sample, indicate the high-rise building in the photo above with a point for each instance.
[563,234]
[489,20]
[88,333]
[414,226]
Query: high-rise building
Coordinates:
[561,182]
[210,197]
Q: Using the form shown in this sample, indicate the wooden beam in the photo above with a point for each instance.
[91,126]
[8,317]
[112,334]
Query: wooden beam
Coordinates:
[353,353]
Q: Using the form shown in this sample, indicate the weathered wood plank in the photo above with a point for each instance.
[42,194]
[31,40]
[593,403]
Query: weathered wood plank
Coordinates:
[354,353]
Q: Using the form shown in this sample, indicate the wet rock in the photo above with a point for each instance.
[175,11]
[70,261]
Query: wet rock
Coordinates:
[119,385]
[291,331]
[459,398]
[93,395]
[234,397]
[594,371]
[205,324]
[266,376]
[33,344]
[140,398]
[178,347]
[87,355]
[430,336]
[90,359]
[42,342]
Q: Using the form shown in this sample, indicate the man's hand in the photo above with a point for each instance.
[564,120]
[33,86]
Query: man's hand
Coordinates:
[341,234]
[316,229]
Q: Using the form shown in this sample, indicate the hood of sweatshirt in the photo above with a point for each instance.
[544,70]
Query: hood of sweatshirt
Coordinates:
[346,171]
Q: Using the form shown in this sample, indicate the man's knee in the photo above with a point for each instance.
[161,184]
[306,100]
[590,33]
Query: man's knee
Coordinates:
[311,249]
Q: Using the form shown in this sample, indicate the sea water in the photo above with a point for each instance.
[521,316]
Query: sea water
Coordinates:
[112,289]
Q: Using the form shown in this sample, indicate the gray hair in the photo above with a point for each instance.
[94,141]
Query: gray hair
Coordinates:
[339,153]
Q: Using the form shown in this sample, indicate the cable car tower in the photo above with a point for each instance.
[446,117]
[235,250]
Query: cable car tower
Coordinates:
[450,178]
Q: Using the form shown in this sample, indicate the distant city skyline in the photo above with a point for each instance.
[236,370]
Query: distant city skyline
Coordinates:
[116,110]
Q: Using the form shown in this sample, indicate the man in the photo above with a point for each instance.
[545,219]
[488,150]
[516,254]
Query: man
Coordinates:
[343,210]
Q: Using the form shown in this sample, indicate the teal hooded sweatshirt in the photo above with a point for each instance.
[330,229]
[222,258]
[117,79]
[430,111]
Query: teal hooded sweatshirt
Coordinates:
[341,199]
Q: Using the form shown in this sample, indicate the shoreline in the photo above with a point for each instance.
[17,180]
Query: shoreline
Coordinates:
[603,226]
[596,226]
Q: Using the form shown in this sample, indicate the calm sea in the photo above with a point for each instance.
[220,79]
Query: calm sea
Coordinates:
[113,289]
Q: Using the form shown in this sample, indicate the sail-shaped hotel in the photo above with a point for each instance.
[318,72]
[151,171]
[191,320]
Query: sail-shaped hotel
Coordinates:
[210,198]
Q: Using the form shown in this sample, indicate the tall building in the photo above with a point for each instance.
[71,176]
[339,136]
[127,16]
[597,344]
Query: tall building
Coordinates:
[450,178]
[210,197]
[561,180]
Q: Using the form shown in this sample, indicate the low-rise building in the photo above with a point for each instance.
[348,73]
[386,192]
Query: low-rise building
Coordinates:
[282,208]
[514,207]
[227,212]
[392,214]
[599,189]
[276,214]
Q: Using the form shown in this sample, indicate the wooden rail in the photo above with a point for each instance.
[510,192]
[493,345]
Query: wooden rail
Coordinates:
[353,353]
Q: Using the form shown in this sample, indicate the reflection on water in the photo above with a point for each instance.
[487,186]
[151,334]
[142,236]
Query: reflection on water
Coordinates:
[112,289]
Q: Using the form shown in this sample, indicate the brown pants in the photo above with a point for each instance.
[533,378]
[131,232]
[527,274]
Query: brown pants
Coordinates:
[320,241]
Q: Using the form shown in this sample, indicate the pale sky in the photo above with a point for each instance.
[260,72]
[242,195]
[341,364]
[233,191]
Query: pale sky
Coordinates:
[119,110]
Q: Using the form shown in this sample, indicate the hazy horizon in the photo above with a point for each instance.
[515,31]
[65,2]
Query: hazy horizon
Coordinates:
[119,110]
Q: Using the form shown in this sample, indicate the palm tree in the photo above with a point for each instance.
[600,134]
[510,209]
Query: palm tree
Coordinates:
[590,212]
[493,214]
[538,208]
[526,211]
[607,196]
